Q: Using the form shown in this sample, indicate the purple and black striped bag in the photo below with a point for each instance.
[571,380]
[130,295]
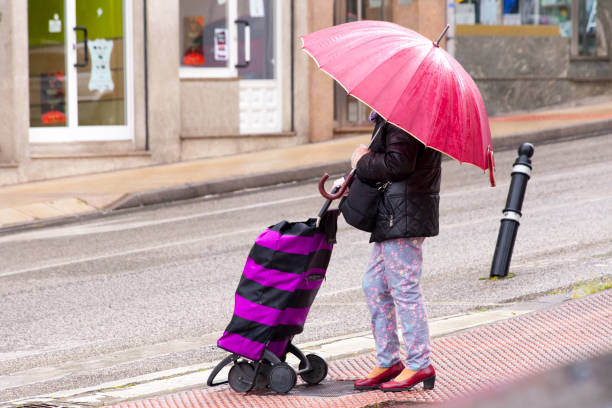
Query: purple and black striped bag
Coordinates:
[280,280]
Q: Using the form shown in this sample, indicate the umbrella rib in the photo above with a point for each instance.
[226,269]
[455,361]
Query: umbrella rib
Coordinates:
[454,157]
[384,61]
[349,50]
[356,85]
[405,89]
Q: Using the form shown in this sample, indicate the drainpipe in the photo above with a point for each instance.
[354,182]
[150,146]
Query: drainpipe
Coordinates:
[146,76]
[292,65]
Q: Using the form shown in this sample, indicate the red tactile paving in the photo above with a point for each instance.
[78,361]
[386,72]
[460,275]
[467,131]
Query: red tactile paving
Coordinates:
[466,363]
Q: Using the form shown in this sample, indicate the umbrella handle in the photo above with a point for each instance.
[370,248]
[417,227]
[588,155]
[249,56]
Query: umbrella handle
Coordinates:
[335,193]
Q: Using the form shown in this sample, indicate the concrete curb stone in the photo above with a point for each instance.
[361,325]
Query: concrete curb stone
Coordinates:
[195,190]
[135,200]
[190,191]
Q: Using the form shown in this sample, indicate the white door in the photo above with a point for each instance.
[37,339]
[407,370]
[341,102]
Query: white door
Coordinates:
[260,87]
[80,70]
[236,38]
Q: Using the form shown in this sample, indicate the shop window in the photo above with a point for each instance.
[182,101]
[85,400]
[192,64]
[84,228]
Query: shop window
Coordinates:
[207,28]
[589,39]
[348,111]
[574,19]
[204,34]
[516,12]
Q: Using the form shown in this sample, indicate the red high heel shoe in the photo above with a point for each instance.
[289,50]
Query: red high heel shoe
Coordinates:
[426,375]
[372,383]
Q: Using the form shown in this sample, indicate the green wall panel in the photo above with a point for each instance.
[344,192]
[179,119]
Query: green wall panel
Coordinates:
[102,18]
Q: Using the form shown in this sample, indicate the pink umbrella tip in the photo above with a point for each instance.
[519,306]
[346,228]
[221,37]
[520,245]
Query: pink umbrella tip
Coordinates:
[437,42]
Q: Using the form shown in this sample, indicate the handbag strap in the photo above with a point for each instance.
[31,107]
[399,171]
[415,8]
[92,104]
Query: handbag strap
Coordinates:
[384,185]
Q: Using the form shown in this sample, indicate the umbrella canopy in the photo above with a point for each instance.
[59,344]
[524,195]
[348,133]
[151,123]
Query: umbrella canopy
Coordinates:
[411,82]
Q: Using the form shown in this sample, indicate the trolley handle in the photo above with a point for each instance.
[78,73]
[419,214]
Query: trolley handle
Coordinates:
[326,204]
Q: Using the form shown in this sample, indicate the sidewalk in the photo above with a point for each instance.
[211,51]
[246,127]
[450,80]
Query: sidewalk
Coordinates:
[478,360]
[59,200]
[471,364]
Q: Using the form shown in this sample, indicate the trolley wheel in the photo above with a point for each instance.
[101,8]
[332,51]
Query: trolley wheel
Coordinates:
[263,375]
[317,372]
[240,377]
[282,378]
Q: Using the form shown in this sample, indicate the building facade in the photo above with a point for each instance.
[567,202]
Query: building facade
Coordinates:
[526,54]
[100,85]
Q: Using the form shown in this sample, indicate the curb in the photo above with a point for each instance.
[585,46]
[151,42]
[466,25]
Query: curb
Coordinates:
[229,185]
[51,222]
[136,200]
[190,191]
[332,349]
[561,134]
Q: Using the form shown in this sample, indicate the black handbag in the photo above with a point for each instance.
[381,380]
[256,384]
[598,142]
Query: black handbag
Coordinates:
[360,206]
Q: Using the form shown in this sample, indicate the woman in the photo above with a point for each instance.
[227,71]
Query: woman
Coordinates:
[407,214]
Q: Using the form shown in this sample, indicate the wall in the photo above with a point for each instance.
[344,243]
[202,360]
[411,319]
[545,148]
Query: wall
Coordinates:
[209,107]
[321,95]
[302,73]
[164,84]
[13,79]
[516,72]
[427,17]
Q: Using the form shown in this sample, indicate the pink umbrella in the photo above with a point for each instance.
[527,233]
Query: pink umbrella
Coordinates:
[411,82]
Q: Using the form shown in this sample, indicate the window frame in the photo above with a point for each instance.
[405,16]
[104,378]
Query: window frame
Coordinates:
[574,56]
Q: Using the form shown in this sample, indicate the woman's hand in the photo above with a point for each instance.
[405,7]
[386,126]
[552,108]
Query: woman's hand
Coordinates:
[338,183]
[357,154]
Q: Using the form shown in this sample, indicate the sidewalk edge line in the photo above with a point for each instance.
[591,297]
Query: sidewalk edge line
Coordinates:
[101,392]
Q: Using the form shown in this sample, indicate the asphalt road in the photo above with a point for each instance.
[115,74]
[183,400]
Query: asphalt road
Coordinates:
[150,290]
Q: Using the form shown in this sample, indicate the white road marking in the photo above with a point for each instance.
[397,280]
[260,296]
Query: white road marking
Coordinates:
[251,230]
[100,227]
[129,252]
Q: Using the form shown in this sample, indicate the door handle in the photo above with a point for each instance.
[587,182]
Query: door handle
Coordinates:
[247,43]
[86,59]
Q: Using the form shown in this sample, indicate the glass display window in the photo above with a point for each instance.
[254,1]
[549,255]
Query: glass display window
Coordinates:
[589,38]
[228,38]
[516,12]
[204,34]
[80,70]
[348,111]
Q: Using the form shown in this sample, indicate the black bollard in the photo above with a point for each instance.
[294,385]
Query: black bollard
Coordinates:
[521,172]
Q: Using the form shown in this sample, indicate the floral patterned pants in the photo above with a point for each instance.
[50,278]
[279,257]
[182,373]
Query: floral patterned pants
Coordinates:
[392,280]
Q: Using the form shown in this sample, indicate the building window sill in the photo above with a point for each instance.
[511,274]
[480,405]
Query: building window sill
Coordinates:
[583,58]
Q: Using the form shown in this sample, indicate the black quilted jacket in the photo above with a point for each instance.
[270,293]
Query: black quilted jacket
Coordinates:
[409,207]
